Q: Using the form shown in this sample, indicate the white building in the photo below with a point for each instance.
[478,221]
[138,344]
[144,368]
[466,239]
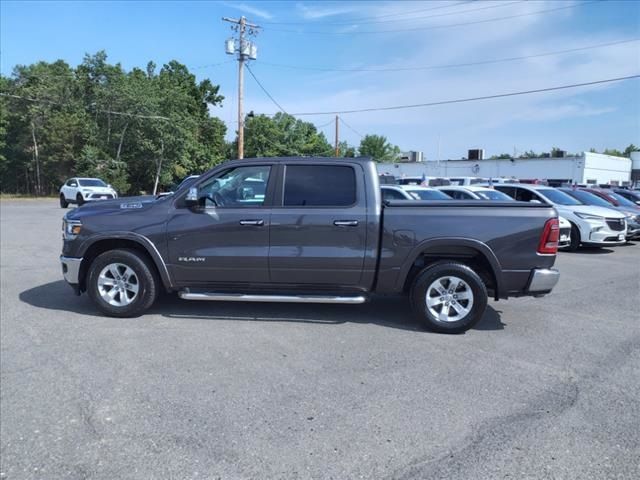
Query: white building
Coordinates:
[586,168]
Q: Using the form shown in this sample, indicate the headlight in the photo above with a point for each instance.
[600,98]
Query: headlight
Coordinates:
[586,216]
[71,229]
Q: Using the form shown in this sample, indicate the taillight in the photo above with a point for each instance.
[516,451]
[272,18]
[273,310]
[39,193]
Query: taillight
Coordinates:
[550,235]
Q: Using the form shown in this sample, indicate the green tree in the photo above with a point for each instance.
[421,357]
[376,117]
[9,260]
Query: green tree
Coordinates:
[346,150]
[500,156]
[138,130]
[378,148]
[613,151]
[631,148]
[283,135]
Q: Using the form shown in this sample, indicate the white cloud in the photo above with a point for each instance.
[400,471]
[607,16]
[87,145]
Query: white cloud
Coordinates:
[317,12]
[482,123]
[250,9]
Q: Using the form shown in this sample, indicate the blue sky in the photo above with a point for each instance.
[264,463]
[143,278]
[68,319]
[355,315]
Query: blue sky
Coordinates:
[377,35]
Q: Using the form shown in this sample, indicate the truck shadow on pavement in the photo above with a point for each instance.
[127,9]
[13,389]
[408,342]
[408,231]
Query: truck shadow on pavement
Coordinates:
[387,311]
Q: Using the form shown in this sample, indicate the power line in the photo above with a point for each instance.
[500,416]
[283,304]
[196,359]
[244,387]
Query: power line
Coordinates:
[451,65]
[265,90]
[351,128]
[365,19]
[51,102]
[424,17]
[433,27]
[363,22]
[471,99]
[330,122]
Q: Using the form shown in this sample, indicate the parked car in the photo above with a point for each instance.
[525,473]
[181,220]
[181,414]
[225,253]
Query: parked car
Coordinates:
[474,192]
[613,198]
[589,198]
[319,234]
[564,240]
[464,181]
[411,192]
[631,195]
[590,225]
[81,190]
[424,181]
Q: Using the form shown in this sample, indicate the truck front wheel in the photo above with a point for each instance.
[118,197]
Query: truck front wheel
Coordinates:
[122,283]
[448,297]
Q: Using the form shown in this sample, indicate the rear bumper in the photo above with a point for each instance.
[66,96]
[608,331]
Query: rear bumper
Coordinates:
[543,280]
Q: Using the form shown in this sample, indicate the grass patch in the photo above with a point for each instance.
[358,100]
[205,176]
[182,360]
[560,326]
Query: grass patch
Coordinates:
[20,196]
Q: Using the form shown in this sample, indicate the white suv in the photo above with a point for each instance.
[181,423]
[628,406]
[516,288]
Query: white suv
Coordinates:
[81,190]
[590,225]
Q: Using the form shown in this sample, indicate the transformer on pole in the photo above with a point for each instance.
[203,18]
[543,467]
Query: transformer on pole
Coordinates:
[245,50]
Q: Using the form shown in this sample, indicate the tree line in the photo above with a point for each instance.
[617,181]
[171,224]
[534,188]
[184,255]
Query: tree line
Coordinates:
[139,130]
[555,151]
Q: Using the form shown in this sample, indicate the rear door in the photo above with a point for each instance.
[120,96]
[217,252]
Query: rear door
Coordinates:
[226,240]
[319,225]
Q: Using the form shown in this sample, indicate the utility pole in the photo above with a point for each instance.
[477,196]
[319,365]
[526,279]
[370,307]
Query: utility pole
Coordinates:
[246,50]
[337,130]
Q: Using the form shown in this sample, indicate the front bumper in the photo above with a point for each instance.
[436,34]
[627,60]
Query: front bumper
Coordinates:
[543,280]
[606,237]
[71,270]
[633,231]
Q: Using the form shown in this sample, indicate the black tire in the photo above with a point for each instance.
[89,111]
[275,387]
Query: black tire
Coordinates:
[439,272]
[146,278]
[63,201]
[79,200]
[574,243]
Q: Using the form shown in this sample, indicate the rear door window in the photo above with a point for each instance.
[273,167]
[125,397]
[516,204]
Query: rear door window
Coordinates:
[319,186]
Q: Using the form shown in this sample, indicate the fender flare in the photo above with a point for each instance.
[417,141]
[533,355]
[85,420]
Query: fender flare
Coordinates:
[477,245]
[141,240]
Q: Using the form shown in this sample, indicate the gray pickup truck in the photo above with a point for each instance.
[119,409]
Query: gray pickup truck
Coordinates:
[308,230]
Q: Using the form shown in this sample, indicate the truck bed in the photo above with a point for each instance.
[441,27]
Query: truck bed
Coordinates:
[501,235]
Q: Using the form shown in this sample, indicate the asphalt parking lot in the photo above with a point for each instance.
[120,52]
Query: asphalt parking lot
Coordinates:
[541,388]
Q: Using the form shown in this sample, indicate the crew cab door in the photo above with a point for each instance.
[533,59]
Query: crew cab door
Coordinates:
[226,238]
[319,225]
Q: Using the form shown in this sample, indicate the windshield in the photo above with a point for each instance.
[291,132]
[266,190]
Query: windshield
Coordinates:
[622,201]
[187,181]
[493,195]
[428,195]
[91,182]
[589,198]
[556,196]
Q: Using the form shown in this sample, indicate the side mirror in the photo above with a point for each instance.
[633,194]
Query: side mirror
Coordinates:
[191,199]
[534,201]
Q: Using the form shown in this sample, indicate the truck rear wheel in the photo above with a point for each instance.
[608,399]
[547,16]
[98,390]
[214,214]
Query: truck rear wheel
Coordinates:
[122,283]
[449,297]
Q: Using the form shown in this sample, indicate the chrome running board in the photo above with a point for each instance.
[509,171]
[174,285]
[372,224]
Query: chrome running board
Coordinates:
[242,297]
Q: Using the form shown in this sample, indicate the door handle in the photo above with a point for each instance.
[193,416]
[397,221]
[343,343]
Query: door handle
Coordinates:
[345,223]
[254,223]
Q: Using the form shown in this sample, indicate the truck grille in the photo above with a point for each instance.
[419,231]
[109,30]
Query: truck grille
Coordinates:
[616,224]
